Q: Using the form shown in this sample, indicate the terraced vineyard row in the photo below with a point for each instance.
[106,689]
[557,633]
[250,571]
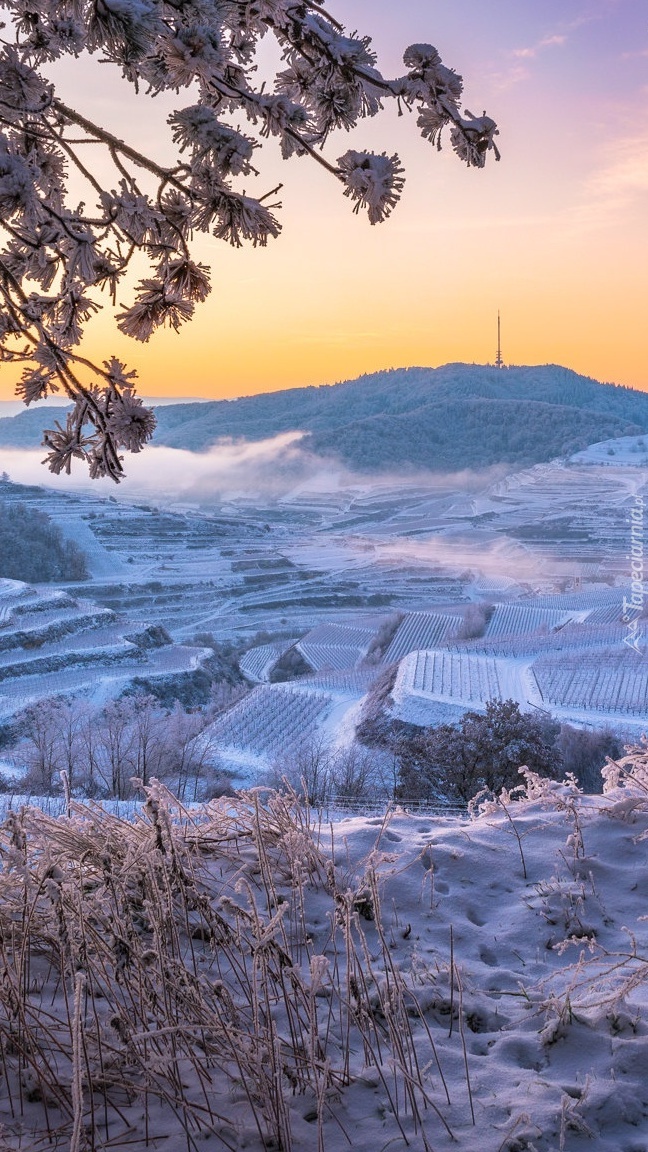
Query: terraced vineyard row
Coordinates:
[494,584]
[50,632]
[257,662]
[611,683]
[341,634]
[90,671]
[51,643]
[358,680]
[607,614]
[331,647]
[330,657]
[29,665]
[577,601]
[19,601]
[571,636]
[270,720]
[420,630]
[521,620]
[449,674]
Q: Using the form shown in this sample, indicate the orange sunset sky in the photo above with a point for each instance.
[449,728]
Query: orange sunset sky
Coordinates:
[555,235]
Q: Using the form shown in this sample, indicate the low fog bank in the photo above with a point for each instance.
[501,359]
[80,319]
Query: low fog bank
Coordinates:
[503,559]
[261,472]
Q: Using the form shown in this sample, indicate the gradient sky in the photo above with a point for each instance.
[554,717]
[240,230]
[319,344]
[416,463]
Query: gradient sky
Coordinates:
[555,235]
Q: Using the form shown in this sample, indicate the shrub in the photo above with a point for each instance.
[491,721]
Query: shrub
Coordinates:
[451,763]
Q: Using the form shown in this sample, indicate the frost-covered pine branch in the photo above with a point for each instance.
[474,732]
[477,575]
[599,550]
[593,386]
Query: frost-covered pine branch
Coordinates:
[59,255]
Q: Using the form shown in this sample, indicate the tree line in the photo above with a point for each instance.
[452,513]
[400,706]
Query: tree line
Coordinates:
[33,548]
[104,751]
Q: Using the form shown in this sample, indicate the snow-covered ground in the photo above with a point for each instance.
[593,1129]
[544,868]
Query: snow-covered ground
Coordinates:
[397,981]
[622,451]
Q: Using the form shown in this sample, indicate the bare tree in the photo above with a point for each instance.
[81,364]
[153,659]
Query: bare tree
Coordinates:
[353,772]
[223,696]
[307,768]
[150,753]
[191,750]
[116,747]
[90,743]
[41,747]
[68,720]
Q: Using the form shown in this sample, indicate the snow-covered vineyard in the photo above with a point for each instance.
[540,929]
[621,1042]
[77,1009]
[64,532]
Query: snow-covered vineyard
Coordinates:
[53,642]
[339,588]
[269,721]
[561,659]
[451,677]
[613,681]
[258,662]
[336,647]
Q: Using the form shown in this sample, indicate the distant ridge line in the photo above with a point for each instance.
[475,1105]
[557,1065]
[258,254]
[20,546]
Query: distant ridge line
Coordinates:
[446,419]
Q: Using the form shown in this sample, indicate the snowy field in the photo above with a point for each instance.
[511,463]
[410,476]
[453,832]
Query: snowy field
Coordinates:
[235,978]
[576,685]
[623,451]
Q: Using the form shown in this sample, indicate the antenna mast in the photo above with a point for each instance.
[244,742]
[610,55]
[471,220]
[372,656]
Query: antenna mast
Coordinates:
[499,363]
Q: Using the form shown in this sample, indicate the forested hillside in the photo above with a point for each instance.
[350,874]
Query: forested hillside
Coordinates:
[460,415]
[455,434]
[33,549]
[457,416]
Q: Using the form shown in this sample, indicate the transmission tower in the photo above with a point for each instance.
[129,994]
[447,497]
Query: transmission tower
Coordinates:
[499,363]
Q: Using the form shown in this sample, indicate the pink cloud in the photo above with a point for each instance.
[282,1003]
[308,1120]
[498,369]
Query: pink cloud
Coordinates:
[547,42]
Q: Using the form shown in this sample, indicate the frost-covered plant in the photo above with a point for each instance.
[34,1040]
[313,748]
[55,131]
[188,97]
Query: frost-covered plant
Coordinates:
[599,985]
[169,963]
[625,783]
[486,803]
[561,796]
[629,773]
[571,1119]
[59,253]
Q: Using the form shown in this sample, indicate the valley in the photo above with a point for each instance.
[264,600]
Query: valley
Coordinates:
[474,587]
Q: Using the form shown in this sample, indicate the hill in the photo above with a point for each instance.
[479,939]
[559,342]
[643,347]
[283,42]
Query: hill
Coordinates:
[459,415]
[466,434]
[25,430]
